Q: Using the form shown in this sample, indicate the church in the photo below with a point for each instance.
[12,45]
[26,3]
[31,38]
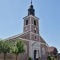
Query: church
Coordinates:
[36,47]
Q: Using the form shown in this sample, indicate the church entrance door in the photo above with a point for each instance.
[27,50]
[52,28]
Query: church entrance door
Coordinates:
[35,50]
[36,54]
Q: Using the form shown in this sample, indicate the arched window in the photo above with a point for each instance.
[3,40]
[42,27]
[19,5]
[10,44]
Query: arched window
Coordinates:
[34,22]
[25,46]
[26,22]
[35,37]
[34,31]
[43,51]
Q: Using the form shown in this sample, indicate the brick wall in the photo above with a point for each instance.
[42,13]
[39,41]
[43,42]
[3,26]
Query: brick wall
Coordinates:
[13,57]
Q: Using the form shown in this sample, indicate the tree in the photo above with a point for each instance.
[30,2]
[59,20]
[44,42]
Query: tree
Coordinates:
[55,52]
[18,47]
[1,46]
[5,48]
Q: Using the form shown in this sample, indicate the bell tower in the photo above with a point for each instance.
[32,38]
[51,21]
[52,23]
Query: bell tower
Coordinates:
[31,23]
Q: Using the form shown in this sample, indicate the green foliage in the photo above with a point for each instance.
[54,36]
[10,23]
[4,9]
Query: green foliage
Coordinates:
[17,47]
[49,58]
[1,46]
[29,58]
[12,47]
[5,47]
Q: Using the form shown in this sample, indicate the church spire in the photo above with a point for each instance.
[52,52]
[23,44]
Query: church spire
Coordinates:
[31,10]
[31,2]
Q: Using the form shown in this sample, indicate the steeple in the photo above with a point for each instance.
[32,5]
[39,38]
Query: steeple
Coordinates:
[31,25]
[31,2]
[31,10]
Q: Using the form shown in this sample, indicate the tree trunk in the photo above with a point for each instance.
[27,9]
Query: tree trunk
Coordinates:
[4,56]
[16,56]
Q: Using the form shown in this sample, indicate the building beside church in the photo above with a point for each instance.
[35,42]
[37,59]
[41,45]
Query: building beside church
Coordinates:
[36,47]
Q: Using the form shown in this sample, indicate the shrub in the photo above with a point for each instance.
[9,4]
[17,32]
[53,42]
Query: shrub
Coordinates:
[49,58]
[29,58]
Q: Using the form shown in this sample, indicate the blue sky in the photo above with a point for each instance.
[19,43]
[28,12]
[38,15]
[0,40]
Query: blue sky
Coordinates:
[48,11]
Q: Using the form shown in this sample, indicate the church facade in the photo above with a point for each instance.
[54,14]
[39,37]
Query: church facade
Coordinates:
[36,47]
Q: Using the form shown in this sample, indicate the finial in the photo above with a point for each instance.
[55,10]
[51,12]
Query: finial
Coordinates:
[31,2]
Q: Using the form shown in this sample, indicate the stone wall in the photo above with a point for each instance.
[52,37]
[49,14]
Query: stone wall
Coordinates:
[10,56]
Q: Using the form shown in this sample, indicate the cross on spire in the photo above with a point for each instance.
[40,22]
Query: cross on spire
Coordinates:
[31,10]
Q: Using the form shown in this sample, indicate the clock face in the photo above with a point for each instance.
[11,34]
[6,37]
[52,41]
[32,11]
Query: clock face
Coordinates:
[35,28]
[26,28]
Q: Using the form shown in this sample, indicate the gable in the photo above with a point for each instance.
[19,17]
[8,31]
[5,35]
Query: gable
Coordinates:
[23,35]
[26,36]
[42,40]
